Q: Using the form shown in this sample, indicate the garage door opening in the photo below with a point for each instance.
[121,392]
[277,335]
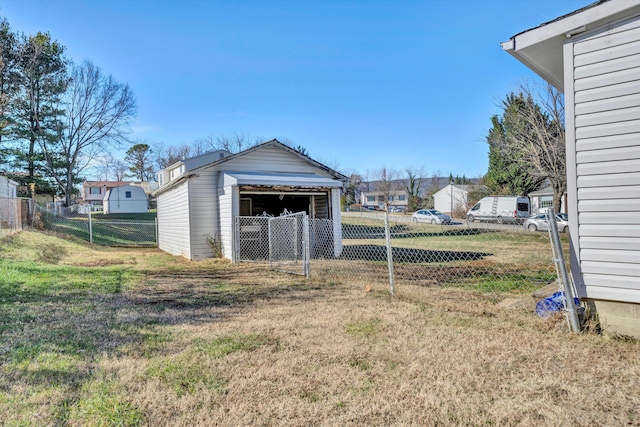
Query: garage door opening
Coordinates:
[275,204]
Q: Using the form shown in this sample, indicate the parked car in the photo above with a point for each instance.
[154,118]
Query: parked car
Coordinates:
[541,222]
[397,209]
[432,216]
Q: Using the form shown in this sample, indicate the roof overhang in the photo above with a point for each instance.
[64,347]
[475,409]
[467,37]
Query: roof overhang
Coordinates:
[541,48]
[279,180]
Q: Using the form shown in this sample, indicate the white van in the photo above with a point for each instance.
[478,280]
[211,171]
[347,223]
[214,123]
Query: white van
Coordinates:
[501,209]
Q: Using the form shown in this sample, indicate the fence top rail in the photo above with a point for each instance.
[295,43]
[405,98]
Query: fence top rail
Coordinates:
[125,222]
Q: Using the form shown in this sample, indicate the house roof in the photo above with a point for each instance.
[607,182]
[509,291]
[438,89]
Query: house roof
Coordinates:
[128,187]
[274,142]
[464,187]
[381,193]
[110,184]
[541,48]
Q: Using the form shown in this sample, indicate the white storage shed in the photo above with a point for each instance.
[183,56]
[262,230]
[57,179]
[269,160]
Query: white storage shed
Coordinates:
[125,199]
[8,187]
[204,201]
[593,56]
[452,199]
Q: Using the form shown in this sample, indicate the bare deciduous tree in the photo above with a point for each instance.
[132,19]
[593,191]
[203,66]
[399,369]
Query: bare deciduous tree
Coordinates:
[119,170]
[98,111]
[233,143]
[537,138]
[387,182]
[413,185]
[165,156]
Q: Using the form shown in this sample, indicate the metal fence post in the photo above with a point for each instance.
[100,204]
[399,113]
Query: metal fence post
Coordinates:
[306,248]
[572,315]
[156,221]
[387,235]
[90,227]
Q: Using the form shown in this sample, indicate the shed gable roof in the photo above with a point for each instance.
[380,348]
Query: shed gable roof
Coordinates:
[276,143]
[273,143]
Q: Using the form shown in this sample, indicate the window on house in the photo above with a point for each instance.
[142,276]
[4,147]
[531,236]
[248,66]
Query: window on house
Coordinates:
[95,190]
[391,198]
[546,201]
[402,198]
[371,198]
[127,194]
[381,198]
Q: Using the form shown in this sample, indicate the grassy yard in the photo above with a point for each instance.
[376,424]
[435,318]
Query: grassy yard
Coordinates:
[481,258]
[94,336]
[133,229]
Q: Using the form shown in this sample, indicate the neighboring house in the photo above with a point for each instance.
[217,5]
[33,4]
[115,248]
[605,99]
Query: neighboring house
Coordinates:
[94,191]
[204,199]
[125,199]
[8,187]
[541,200]
[593,56]
[376,199]
[453,198]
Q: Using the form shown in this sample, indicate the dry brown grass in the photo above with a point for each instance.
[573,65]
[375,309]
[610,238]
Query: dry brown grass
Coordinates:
[212,343]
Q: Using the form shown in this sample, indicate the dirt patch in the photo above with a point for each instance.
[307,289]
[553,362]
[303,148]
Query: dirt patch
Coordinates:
[105,263]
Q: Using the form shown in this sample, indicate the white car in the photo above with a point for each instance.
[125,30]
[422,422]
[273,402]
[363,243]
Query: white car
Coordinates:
[541,222]
[432,216]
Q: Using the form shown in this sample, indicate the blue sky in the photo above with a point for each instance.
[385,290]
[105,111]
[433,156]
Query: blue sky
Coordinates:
[360,84]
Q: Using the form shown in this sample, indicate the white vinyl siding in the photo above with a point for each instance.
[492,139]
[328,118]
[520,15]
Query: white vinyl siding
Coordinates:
[334,205]
[602,84]
[212,201]
[173,221]
[225,206]
[203,208]
[270,159]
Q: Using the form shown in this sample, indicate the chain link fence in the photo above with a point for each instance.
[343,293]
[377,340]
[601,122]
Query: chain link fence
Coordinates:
[101,229]
[483,256]
[15,214]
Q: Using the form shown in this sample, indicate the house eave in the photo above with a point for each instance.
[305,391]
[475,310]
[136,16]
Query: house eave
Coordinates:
[179,180]
[541,48]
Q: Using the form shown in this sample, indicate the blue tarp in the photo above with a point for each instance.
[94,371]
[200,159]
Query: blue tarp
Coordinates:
[552,304]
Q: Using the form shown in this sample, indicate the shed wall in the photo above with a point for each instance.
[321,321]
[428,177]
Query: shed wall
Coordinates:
[173,221]
[225,206]
[117,201]
[271,159]
[602,83]
[203,210]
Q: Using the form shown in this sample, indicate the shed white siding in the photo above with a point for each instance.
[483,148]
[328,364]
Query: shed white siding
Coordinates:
[271,159]
[8,188]
[203,210]
[205,201]
[602,96]
[450,199]
[173,221]
[225,205]
[125,199]
[337,224]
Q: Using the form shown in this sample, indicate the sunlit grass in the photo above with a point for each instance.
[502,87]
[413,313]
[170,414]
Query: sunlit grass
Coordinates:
[97,336]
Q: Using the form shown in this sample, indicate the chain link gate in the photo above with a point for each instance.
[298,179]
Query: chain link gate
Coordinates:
[282,241]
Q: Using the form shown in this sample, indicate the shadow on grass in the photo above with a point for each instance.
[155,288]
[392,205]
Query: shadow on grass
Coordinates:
[56,322]
[402,231]
[407,255]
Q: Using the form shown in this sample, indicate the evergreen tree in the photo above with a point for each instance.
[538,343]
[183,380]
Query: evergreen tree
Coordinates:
[507,174]
[140,163]
[42,70]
